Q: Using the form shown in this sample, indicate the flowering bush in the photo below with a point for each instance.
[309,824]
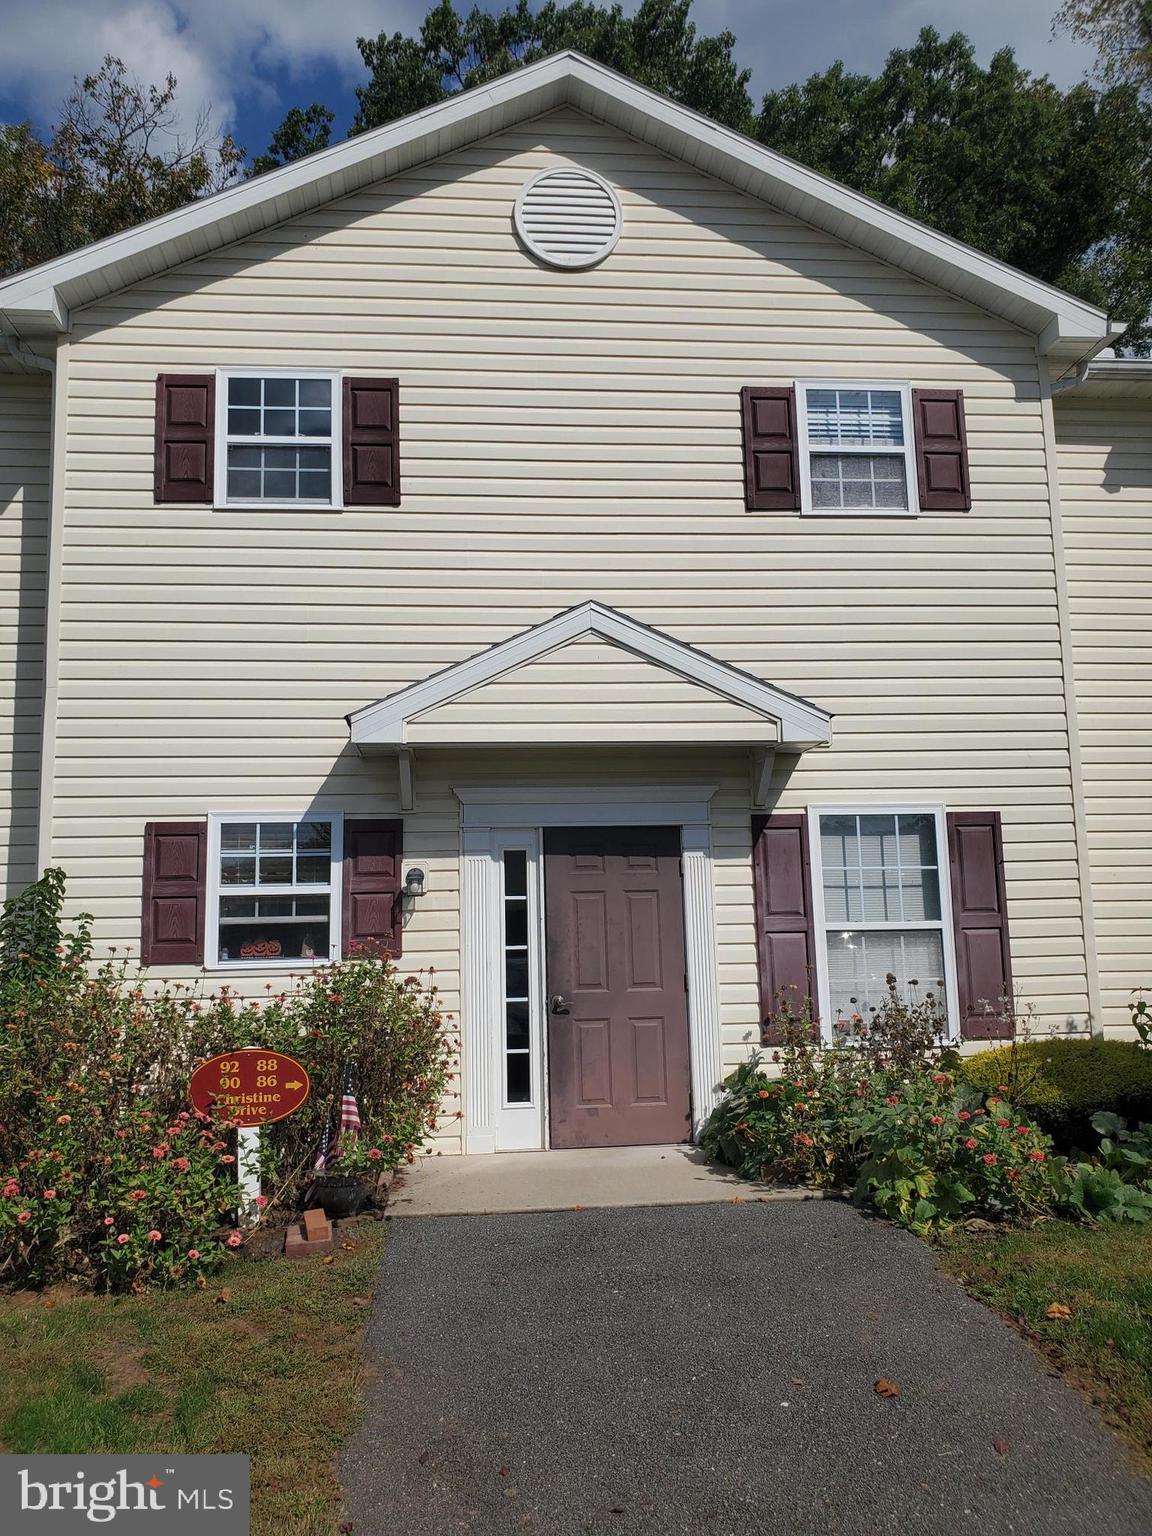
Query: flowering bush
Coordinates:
[106,1175]
[883,1112]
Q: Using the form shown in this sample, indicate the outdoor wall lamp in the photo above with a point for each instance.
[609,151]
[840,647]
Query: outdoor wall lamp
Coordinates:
[414,882]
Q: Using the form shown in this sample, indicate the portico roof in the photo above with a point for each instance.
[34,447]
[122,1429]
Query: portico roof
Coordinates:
[592,674]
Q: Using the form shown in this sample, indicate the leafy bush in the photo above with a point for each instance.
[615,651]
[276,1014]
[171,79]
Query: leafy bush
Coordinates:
[106,1175]
[1063,1083]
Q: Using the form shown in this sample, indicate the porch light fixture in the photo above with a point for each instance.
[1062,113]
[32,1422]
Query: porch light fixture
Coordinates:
[414,882]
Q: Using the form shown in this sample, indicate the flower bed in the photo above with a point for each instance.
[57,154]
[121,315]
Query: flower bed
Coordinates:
[106,1174]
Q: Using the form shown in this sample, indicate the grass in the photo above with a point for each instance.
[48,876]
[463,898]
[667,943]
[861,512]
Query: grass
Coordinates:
[274,1369]
[1104,1275]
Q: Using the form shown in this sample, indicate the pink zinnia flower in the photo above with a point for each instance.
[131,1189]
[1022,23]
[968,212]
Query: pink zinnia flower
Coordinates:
[154,1236]
[937,1120]
[160,1151]
[1036,1155]
[893,1098]
[971,1143]
[193,1253]
[24,1216]
[235,1240]
[182,1163]
[261,1201]
[228,1159]
[375,1154]
[122,1239]
[63,1119]
[963,1115]
[109,1221]
[990,1158]
[1003,1124]
[49,1194]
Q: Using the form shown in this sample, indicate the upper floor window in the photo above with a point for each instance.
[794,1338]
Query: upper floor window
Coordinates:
[277,436]
[856,448]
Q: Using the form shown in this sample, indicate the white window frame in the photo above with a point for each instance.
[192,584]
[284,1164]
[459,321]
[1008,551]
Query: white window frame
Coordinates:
[222,501]
[215,890]
[871,450]
[943,924]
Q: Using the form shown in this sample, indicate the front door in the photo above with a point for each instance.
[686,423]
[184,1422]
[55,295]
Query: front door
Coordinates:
[618,1063]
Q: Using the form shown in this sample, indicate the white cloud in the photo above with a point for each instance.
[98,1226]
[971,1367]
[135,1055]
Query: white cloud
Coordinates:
[222,52]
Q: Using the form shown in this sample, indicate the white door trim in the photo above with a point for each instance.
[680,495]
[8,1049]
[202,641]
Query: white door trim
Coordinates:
[487,814]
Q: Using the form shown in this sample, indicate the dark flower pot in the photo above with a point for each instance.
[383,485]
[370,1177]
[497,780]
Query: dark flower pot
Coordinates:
[341,1194]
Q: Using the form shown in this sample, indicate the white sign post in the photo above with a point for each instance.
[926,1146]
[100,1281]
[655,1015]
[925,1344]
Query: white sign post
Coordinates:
[248,1171]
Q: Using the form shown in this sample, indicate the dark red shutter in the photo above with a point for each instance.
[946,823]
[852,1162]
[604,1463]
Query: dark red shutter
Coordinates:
[771,457]
[941,450]
[371,443]
[980,919]
[373,912]
[785,939]
[185,441]
[175,881]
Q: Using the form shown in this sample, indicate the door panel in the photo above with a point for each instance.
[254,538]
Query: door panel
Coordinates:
[618,1058]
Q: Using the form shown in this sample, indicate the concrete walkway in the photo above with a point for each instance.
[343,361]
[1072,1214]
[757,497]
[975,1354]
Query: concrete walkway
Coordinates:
[562,1181]
[708,1370]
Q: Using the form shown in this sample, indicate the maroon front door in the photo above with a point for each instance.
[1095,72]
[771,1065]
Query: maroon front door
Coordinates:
[618,1063]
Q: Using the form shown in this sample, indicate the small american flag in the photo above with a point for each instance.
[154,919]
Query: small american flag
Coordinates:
[349,1132]
[324,1152]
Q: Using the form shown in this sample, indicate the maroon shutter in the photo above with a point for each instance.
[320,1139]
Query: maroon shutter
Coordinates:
[371,443]
[185,443]
[373,913]
[980,919]
[175,879]
[941,450]
[785,939]
[771,458]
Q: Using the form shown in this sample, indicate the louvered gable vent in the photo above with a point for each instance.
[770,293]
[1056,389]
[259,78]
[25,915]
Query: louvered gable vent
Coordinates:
[568,217]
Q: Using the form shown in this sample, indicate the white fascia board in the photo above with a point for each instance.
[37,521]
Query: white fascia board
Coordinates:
[801,724]
[189,232]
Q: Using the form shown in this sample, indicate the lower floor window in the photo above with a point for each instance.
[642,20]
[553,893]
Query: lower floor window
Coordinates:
[274,890]
[880,909]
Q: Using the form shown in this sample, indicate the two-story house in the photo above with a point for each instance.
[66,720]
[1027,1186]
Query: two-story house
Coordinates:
[616,566]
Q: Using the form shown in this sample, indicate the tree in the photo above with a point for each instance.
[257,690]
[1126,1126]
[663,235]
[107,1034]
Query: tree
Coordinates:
[1054,182]
[453,52]
[1119,30]
[112,161]
[303,131]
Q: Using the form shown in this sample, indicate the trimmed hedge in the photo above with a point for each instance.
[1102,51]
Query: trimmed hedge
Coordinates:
[1063,1083]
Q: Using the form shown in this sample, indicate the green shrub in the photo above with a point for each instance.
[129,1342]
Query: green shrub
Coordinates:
[1063,1083]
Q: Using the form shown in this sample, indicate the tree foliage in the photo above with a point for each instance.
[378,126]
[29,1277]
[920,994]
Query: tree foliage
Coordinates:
[658,46]
[113,160]
[303,131]
[1119,30]
[1054,182]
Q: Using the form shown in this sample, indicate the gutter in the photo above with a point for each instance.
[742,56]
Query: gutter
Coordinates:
[1080,373]
[27,359]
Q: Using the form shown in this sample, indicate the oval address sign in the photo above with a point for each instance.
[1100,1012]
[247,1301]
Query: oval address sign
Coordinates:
[250,1086]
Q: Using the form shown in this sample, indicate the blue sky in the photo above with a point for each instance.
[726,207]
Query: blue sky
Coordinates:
[250,60]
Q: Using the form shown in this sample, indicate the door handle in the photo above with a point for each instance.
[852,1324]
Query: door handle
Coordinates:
[559,1003]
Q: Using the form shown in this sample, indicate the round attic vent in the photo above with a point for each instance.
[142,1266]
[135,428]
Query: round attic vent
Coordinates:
[568,217]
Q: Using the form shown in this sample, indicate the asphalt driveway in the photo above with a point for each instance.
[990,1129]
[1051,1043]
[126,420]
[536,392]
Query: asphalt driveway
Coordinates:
[710,1369]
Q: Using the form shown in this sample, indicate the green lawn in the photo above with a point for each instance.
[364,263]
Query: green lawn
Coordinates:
[274,1370]
[1104,1275]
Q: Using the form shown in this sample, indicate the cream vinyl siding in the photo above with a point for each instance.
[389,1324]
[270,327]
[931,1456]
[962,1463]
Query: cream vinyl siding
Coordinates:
[25,432]
[564,436]
[590,691]
[1105,452]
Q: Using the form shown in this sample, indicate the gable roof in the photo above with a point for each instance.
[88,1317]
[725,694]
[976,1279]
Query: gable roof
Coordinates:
[799,724]
[40,299]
